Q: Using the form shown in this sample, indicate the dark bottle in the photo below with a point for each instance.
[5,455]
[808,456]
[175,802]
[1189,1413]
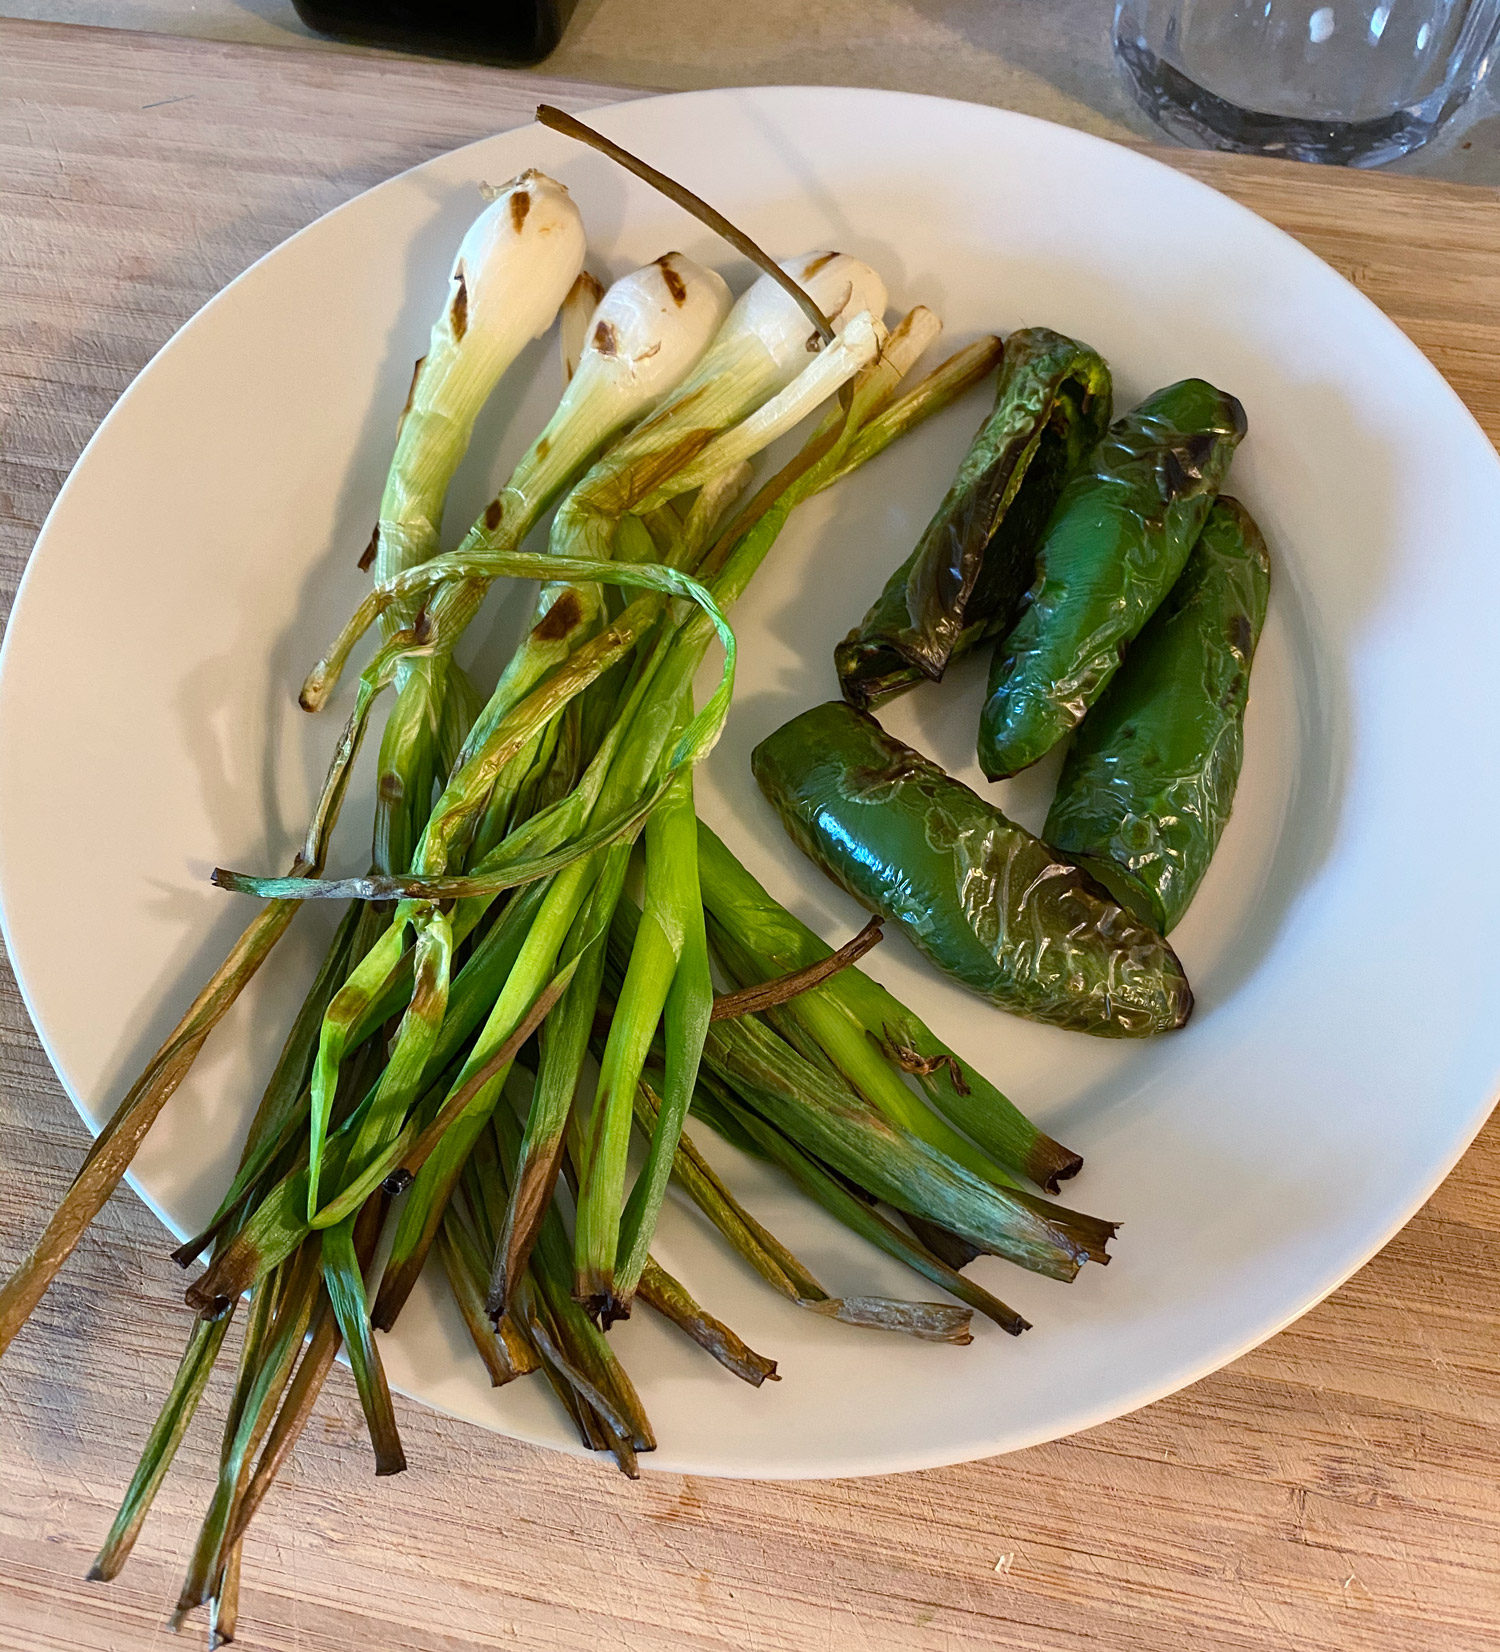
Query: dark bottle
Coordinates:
[494,31]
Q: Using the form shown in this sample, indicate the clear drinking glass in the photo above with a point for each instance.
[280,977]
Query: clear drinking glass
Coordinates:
[1351,82]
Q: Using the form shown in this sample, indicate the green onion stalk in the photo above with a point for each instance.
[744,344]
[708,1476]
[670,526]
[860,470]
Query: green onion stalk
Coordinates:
[511,274]
[623,358]
[630,786]
[856,1015]
[671,974]
[563,907]
[364,1147]
[507,283]
[647,330]
[668,978]
[930,1321]
[834,1125]
[612,387]
[761,349]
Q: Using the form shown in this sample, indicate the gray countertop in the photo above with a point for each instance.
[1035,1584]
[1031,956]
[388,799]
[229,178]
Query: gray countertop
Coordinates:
[1044,57]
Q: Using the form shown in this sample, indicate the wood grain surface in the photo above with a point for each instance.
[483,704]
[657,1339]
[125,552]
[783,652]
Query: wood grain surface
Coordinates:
[1336,1489]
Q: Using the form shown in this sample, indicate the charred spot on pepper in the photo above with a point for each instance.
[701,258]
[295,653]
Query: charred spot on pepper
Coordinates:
[559,619]
[458,308]
[520,205]
[1179,470]
[673,282]
[367,557]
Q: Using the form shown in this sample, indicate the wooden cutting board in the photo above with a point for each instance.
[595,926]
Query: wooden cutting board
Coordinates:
[1337,1489]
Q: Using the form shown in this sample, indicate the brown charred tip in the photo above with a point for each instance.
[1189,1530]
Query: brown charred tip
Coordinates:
[367,556]
[624,1456]
[613,1310]
[97,1574]
[1015,1325]
[674,283]
[398,1181]
[392,1460]
[1097,1235]
[311,697]
[1055,1172]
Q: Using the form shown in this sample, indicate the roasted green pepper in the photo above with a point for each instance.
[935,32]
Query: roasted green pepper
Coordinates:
[986,901]
[1113,549]
[1149,782]
[975,560]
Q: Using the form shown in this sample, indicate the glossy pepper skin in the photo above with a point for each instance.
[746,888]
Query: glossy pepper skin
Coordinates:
[1116,543]
[1149,783]
[987,902]
[975,560]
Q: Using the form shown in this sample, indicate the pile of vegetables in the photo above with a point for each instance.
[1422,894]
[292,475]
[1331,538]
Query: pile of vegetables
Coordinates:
[1126,598]
[549,950]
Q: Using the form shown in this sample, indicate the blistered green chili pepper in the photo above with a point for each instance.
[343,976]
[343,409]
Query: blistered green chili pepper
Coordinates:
[1116,543]
[986,901]
[975,559]
[1149,782]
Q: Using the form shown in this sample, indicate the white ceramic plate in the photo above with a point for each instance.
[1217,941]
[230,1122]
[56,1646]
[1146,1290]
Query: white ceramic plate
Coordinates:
[1345,1047]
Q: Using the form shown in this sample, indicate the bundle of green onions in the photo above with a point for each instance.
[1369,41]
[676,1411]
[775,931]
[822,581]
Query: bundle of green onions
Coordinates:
[436,1090]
